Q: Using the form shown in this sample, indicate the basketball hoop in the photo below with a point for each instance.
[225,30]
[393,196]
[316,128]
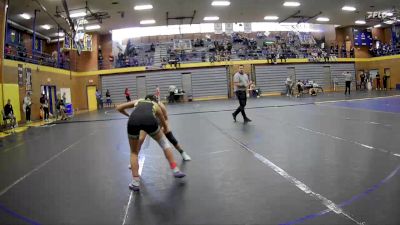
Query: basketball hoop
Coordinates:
[79,35]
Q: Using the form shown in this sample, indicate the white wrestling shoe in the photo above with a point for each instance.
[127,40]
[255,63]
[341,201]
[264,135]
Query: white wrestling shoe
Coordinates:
[185,156]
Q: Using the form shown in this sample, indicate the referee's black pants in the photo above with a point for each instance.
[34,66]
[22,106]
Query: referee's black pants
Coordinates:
[242,97]
[347,87]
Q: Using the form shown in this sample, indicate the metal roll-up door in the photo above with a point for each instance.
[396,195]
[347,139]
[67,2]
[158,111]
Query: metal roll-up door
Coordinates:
[209,82]
[163,79]
[314,72]
[271,78]
[116,84]
[337,70]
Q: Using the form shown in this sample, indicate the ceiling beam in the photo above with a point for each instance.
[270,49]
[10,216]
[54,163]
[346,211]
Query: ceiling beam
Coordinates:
[181,18]
[21,27]
[47,12]
[293,15]
[304,20]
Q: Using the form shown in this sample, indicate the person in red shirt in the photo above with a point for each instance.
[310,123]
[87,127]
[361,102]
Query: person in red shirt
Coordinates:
[127,95]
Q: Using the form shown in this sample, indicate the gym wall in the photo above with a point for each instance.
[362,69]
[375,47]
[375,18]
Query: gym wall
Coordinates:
[205,83]
[42,75]
[391,62]
[271,78]
[87,61]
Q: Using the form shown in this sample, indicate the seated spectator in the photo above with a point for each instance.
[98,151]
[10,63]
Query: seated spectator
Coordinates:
[9,114]
[60,106]
[254,91]
[7,51]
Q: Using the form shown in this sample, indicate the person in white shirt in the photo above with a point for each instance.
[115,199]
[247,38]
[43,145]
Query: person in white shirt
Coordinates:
[288,84]
[347,78]
[27,106]
[242,83]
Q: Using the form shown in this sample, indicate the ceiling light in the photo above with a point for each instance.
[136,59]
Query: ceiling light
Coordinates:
[271,18]
[93,27]
[323,19]
[390,22]
[143,7]
[221,3]
[291,4]
[349,8]
[25,16]
[61,34]
[378,25]
[77,14]
[360,22]
[211,18]
[46,27]
[144,22]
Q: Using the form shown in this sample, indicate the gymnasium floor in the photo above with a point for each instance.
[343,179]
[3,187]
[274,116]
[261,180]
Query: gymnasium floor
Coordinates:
[323,160]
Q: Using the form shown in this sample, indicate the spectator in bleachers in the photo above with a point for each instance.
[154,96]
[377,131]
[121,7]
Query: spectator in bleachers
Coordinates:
[344,51]
[7,51]
[352,52]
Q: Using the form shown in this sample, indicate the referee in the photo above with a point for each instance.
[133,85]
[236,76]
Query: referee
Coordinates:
[241,83]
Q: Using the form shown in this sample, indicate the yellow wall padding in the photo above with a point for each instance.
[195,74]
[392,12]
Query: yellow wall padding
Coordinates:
[1,96]
[11,91]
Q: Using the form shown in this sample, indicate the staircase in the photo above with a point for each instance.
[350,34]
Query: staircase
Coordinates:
[160,53]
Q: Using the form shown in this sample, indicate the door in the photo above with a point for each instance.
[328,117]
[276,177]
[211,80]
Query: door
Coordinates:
[187,84]
[141,87]
[51,93]
[327,78]
[386,72]
[91,98]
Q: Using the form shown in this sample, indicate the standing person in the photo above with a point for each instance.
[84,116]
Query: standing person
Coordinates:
[171,91]
[42,100]
[384,81]
[288,84]
[378,81]
[45,107]
[241,83]
[9,114]
[362,81]
[27,107]
[99,99]
[64,98]
[108,98]
[347,78]
[146,116]
[127,95]
[158,93]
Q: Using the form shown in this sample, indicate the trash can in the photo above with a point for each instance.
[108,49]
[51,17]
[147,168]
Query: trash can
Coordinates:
[69,110]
